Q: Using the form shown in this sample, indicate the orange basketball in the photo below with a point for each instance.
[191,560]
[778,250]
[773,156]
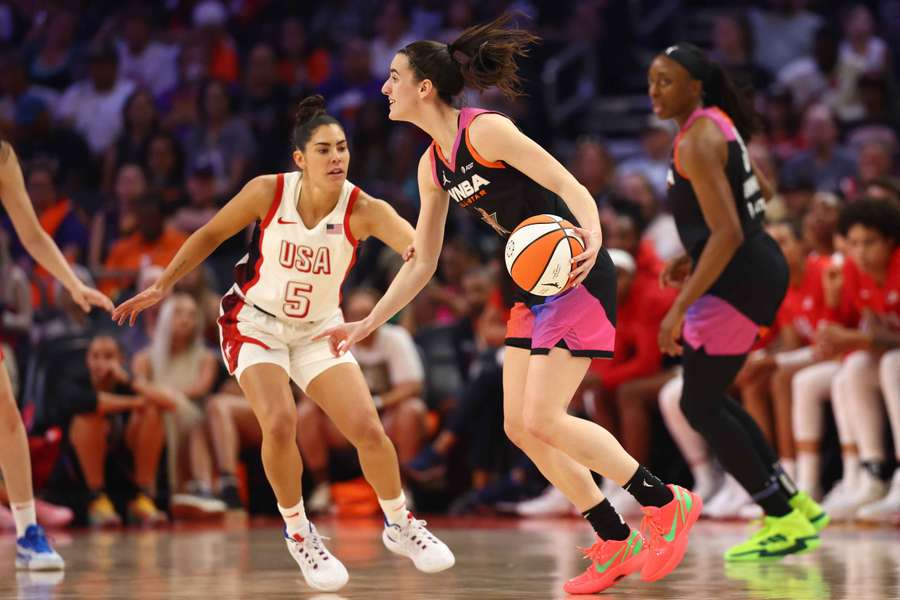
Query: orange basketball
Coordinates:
[539,254]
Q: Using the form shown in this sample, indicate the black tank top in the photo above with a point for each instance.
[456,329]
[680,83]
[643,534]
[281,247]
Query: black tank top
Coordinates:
[755,280]
[502,197]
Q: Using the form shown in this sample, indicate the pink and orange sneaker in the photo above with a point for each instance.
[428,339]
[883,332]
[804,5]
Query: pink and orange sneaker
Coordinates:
[666,531]
[611,560]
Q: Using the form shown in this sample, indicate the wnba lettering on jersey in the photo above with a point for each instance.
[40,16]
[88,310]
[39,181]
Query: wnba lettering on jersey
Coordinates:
[468,191]
[292,271]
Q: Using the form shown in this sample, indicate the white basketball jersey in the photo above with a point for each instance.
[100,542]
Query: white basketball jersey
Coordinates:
[292,272]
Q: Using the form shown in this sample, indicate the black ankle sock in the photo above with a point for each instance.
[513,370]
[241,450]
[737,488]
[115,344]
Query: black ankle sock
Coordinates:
[784,480]
[877,468]
[772,499]
[607,522]
[647,489]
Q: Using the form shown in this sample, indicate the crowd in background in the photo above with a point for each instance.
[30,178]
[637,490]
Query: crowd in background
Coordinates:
[136,122]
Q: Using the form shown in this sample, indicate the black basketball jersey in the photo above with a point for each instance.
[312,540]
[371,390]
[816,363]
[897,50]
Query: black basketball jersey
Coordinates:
[756,278]
[502,196]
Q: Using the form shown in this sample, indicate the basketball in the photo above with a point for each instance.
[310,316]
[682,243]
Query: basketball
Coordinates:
[539,254]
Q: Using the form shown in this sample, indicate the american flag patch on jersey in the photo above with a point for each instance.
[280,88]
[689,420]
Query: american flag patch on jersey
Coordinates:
[336,228]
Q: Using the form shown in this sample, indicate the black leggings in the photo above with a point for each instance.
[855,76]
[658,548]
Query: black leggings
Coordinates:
[732,433]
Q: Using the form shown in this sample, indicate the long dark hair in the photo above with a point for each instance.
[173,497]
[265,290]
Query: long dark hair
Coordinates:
[310,116]
[481,57]
[718,87]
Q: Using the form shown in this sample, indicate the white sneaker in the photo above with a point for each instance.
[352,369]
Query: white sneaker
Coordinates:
[885,510]
[321,570]
[551,503]
[750,512]
[728,502]
[836,495]
[868,491]
[193,506]
[320,499]
[708,486]
[414,541]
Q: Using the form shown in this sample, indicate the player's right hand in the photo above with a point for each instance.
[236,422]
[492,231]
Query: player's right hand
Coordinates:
[342,337]
[408,253]
[676,272]
[85,297]
[130,309]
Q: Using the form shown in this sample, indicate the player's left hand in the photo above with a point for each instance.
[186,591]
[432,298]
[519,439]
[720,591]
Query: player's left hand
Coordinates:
[586,260]
[409,253]
[670,331]
[342,337]
[85,297]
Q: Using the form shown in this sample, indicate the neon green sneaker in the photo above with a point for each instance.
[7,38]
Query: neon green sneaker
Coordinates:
[778,537]
[811,509]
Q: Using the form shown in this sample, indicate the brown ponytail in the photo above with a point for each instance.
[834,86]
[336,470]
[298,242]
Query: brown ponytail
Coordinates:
[482,56]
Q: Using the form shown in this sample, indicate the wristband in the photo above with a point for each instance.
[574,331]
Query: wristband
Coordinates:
[376,399]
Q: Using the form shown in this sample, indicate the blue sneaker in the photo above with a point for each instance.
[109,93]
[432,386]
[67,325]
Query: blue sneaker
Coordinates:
[33,552]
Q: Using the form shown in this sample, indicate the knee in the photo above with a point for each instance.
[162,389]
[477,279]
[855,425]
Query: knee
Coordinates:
[368,433]
[279,427]
[515,431]
[539,424]
[410,410]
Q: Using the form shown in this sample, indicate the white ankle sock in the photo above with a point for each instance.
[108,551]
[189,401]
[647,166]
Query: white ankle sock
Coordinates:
[808,472]
[704,474]
[851,468]
[790,467]
[394,510]
[23,513]
[295,519]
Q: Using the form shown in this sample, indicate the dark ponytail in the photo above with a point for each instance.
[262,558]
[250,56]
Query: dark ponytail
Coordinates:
[720,90]
[310,116]
[718,87]
[482,56]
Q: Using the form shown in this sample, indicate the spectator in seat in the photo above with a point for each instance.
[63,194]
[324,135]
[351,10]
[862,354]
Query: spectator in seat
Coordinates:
[112,406]
[93,106]
[180,365]
[870,369]
[826,163]
[152,243]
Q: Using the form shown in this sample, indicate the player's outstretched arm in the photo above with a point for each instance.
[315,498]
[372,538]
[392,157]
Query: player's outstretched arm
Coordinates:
[250,204]
[415,272]
[497,138]
[36,241]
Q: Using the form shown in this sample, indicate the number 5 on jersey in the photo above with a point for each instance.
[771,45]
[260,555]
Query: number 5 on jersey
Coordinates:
[296,303]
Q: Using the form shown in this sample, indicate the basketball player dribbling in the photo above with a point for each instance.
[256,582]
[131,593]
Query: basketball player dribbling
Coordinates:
[486,165]
[33,551]
[287,289]
[732,279]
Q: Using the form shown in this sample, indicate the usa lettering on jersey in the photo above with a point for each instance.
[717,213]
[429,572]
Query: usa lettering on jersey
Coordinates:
[305,259]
